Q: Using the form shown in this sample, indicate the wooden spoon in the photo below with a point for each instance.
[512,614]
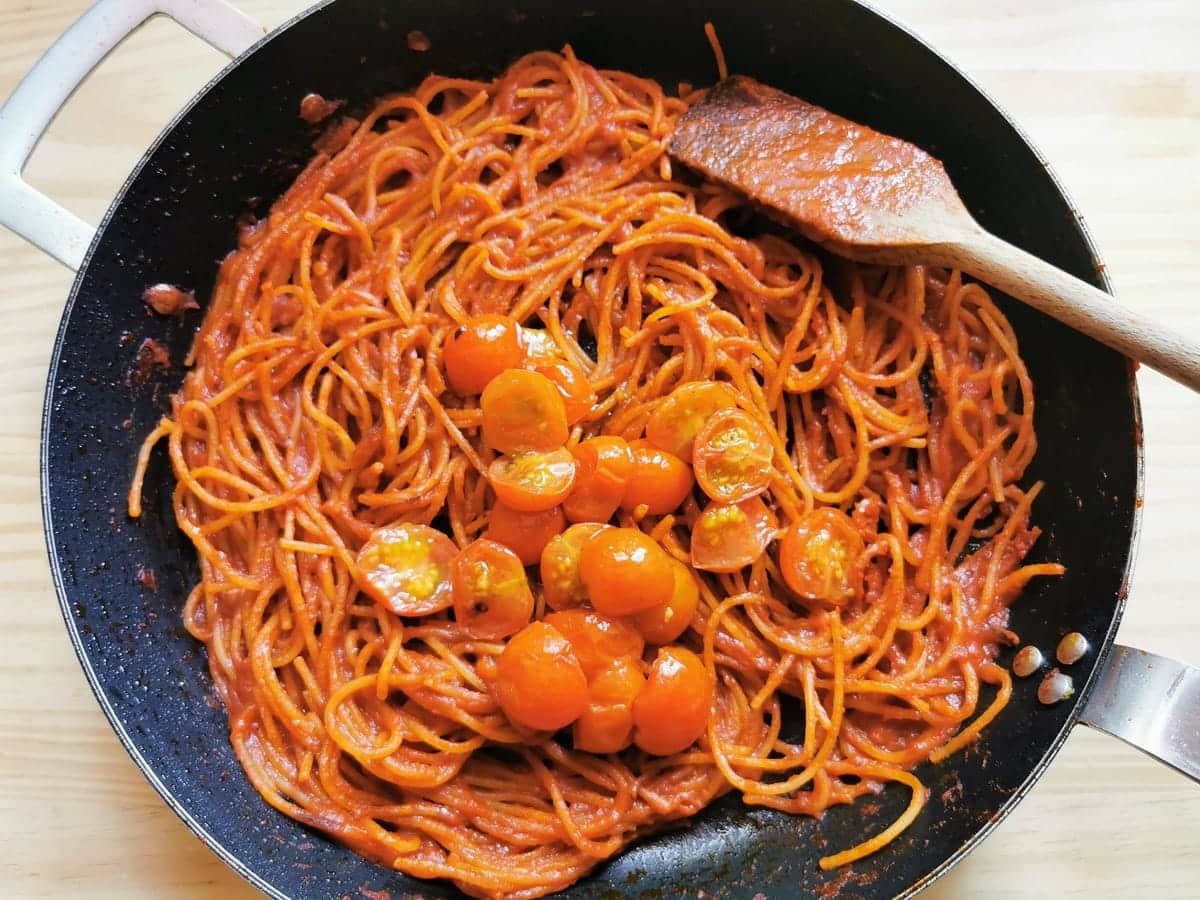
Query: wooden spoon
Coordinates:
[878,199]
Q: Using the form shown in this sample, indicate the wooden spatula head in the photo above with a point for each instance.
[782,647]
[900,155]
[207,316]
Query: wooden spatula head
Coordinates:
[864,194]
[878,199]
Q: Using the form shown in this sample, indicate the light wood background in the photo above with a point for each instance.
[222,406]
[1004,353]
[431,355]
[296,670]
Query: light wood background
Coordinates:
[1110,90]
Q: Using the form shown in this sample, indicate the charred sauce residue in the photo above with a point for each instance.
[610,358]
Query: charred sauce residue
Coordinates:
[150,355]
[838,886]
[168,300]
[314,108]
[147,578]
[953,793]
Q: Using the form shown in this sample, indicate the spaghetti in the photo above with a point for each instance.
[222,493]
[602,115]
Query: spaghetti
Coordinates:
[332,451]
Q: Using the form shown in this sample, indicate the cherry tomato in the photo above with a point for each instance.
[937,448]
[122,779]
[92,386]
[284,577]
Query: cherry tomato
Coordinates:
[480,350]
[530,481]
[817,554]
[602,468]
[572,384]
[729,536]
[732,458]
[539,346]
[543,356]
[672,710]
[625,571]
[491,593]
[524,533]
[406,567]
[539,682]
[679,416]
[597,639]
[523,411]
[663,624]
[660,480]
[561,583]
[606,726]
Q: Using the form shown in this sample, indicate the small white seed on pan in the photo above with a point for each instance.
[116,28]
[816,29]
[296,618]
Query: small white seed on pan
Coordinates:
[1027,661]
[1055,687]
[1071,648]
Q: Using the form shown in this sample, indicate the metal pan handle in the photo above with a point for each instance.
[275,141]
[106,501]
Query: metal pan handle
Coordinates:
[1152,703]
[31,108]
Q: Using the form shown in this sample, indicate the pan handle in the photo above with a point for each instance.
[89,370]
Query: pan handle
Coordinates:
[1152,703]
[35,102]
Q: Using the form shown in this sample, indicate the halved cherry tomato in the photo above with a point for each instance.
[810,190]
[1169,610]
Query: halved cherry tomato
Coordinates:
[729,536]
[625,571]
[543,356]
[561,583]
[406,567]
[524,533]
[679,416]
[523,411]
[672,710]
[660,480]
[491,593]
[539,682]
[817,554]
[663,624]
[530,481]
[732,458]
[572,384]
[597,639]
[480,350]
[603,466]
[606,726]
[539,346]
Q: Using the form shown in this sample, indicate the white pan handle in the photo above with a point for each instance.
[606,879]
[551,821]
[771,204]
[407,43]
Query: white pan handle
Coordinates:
[41,94]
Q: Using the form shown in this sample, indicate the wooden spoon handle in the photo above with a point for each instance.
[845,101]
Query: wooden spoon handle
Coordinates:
[1078,304]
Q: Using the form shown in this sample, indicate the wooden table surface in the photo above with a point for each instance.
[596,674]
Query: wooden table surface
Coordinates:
[1109,90]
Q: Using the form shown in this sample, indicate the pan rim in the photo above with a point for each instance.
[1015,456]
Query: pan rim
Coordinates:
[232,859]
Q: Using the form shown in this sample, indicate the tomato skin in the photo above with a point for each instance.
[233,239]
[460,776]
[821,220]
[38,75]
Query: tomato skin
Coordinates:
[543,356]
[491,593]
[530,481]
[480,350]
[524,533]
[732,460]
[561,583]
[597,639]
[539,683]
[660,480]
[406,567]
[672,710]
[573,386]
[680,415]
[666,622]
[625,571]
[731,536]
[523,411]
[603,466]
[606,726]
[817,554]
[539,346]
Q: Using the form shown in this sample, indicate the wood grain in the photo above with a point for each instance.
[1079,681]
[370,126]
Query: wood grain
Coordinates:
[1025,277]
[1109,90]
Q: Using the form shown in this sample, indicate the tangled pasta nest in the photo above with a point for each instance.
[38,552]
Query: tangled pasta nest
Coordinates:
[317,411]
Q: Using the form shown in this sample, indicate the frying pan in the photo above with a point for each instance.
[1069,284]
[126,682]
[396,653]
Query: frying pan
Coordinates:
[238,145]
